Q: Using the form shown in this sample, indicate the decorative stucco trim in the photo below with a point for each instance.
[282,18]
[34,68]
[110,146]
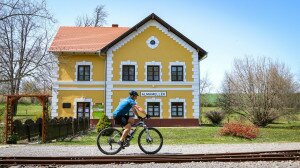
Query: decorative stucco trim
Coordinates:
[84,63]
[178,64]
[80,82]
[152,83]
[177,100]
[155,100]
[196,86]
[159,89]
[67,88]
[152,46]
[128,62]
[160,27]
[160,70]
[82,99]
[54,106]
[109,85]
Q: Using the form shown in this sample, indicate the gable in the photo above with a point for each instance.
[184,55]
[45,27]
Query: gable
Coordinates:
[153,20]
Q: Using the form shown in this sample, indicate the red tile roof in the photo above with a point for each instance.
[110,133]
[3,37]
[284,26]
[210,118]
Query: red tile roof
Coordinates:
[84,39]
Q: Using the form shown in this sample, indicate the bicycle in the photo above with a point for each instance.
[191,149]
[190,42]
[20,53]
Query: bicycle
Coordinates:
[150,140]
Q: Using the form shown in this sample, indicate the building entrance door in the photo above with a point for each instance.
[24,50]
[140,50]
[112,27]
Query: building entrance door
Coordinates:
[83,110]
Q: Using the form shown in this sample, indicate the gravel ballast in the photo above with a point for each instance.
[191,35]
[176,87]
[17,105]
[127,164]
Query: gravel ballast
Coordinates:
[60,150]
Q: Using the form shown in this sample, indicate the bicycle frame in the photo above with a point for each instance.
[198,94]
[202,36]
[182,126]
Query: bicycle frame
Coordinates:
[138,124]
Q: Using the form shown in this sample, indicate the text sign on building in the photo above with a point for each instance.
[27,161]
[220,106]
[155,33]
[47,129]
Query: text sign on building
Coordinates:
[161,94]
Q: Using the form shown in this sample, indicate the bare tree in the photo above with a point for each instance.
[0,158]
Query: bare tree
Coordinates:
[205,84]
[11,8]
[205,88]
[24,40]
[261,90]
[97,19]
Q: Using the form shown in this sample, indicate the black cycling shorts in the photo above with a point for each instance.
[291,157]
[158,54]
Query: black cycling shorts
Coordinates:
[121,120]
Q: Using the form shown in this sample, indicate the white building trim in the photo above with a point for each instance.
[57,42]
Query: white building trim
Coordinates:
[129,63]
[84,63]
[66,88]
[109,85]
[80,82]
[82,100]
[196,86]
[155,100]
[178,64]
[152,83]
[159,89]
[160,27]
[54,99]
[177,100]
[160,70]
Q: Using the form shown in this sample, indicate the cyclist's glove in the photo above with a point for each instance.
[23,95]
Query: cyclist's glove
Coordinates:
[147,116]
[140,117]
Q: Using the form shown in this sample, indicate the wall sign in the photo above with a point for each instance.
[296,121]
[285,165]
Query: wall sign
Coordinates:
[157,94]
[66,105]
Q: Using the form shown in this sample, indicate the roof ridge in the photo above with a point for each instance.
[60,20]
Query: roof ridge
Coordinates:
[91,27]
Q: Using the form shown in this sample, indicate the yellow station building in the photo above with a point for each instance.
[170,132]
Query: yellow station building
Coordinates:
[99,65]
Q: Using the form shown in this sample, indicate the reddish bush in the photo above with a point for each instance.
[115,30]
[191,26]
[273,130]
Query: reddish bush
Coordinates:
[240,130]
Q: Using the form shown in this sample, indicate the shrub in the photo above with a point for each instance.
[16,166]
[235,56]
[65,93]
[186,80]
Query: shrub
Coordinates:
[215,117]
[240,130]
[103,123]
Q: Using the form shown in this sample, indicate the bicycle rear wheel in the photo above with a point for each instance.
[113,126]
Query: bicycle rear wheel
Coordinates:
[107,141]
[150,140]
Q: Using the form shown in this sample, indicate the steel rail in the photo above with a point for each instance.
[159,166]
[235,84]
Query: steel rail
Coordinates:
[220,157]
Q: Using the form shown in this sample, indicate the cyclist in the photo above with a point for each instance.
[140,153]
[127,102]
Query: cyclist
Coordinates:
[121,114]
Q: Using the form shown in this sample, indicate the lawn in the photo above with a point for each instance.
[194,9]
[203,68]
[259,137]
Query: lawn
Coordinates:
[27,111]
[280,132]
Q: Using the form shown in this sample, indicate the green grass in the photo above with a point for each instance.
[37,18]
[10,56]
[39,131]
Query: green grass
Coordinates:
[26,111]
[280,132]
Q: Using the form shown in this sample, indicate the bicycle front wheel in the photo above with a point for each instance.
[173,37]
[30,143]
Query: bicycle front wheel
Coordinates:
[150,140]
[107,141]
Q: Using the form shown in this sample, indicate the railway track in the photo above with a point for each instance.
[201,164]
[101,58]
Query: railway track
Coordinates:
[121,159]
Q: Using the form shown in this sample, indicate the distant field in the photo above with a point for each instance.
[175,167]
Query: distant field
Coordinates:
[209,99]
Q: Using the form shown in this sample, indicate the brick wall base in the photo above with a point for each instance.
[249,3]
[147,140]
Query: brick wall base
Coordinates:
[162,122]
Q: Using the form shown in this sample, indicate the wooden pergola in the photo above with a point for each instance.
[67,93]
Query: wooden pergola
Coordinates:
[11,101]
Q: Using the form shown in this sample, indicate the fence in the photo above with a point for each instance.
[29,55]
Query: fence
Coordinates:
[57,128]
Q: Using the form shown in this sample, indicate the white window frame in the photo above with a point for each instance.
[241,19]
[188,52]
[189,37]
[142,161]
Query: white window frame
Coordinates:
[153,63]
[177,63]
[155,100]
[84,63]
[135,69]
[175,101]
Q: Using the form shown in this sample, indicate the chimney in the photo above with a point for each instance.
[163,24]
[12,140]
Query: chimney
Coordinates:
[114,25]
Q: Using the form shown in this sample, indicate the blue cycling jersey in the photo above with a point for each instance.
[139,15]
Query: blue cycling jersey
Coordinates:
[124,107]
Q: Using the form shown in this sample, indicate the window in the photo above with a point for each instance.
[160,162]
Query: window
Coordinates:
[177,73]
[153,109]
[152,73]
[128,73]
[177,109]
[83,73]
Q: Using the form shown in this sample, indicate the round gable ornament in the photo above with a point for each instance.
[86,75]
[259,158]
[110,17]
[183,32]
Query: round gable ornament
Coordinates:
[152,42]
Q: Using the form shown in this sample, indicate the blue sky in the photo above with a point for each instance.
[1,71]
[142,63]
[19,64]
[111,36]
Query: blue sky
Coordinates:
[226,29]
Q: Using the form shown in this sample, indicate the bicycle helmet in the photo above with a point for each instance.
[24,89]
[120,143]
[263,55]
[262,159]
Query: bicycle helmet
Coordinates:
[133,93]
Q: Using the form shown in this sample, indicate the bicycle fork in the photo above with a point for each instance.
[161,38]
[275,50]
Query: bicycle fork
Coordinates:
[148,137]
